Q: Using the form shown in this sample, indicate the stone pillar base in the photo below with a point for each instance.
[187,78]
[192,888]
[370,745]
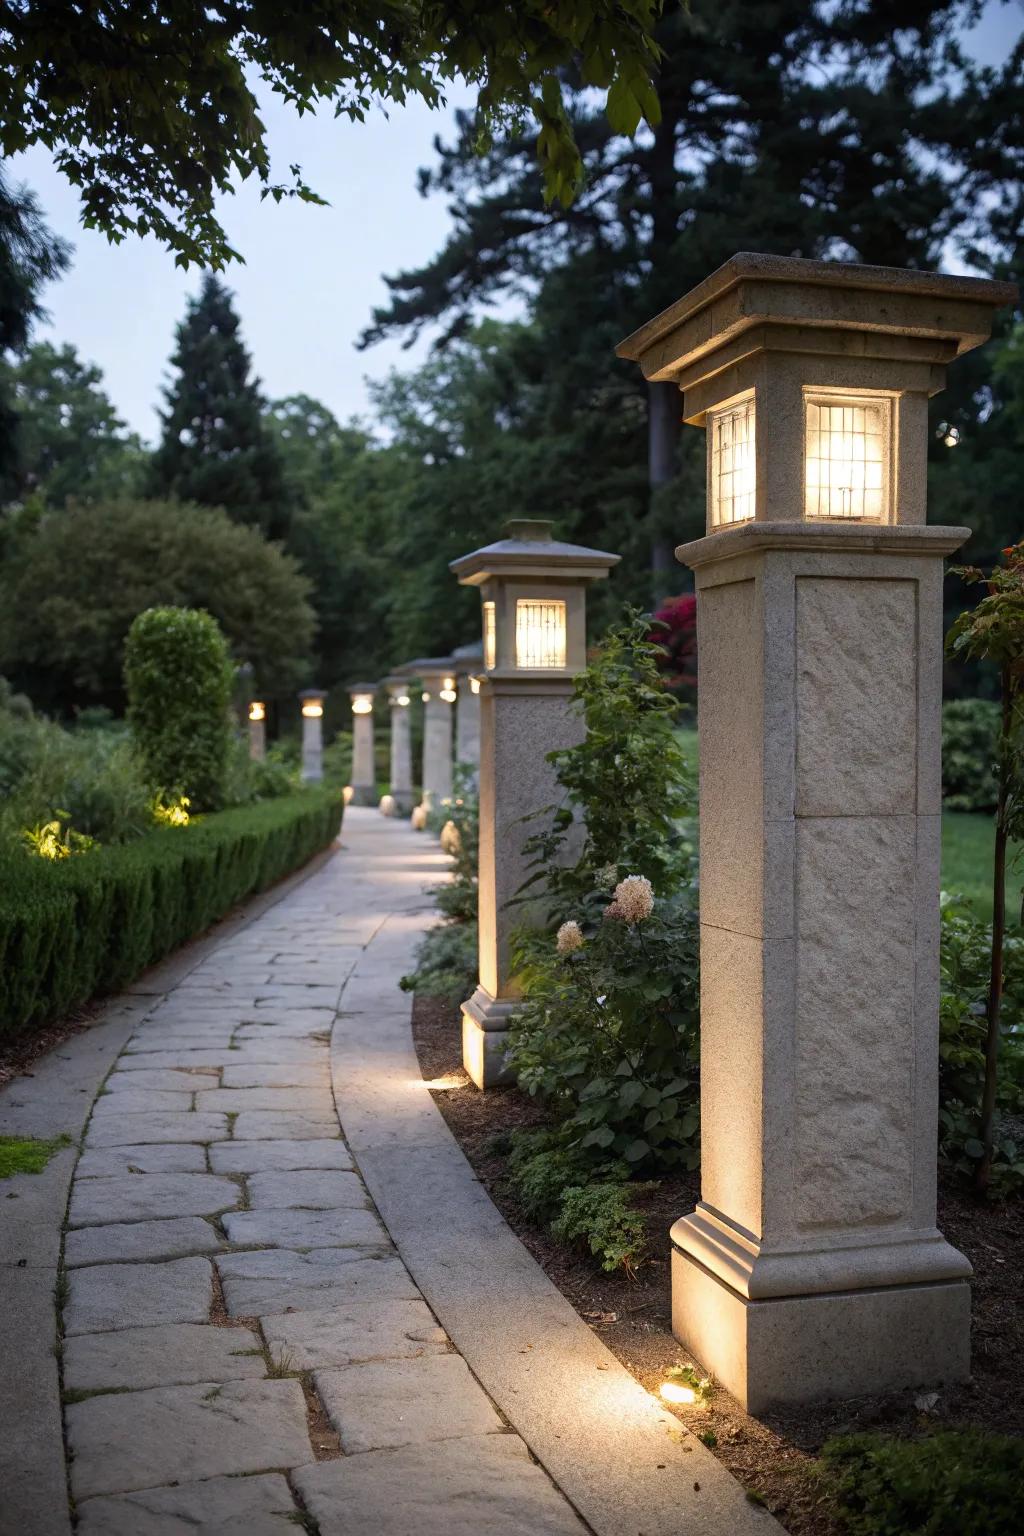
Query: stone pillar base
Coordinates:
[364,794]
[836,1344]
[485,1039]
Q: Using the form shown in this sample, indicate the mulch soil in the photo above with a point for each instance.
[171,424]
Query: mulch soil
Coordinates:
[773,1456]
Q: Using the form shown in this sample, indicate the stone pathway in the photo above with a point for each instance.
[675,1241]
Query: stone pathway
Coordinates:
[244,1350]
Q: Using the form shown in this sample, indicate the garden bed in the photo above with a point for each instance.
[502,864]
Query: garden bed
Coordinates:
[774,1456]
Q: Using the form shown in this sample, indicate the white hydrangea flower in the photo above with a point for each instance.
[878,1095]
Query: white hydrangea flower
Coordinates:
[634,898]
[570,937]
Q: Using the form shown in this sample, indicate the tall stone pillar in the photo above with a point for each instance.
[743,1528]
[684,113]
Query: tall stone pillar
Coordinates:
[438,680]
[534,643]
[469,664]
[812,1265]
[364,770]
[400,800]
[257,731]
[312,701]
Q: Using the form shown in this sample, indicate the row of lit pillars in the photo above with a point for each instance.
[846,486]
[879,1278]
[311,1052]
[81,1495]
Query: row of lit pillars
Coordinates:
[311,704]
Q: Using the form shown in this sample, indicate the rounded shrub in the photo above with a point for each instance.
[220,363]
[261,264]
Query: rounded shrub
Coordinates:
[970,730]
[178,677]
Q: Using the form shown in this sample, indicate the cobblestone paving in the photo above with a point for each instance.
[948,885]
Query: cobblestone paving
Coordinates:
[244,1350]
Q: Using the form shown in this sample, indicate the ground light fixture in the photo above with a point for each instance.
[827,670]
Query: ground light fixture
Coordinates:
[812,1266]
[364,771]
[533,637]
[311,704]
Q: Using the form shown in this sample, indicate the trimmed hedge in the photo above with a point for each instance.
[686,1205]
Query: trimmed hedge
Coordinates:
[90,924]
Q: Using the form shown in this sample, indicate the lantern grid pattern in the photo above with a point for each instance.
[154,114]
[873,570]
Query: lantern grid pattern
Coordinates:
[490,636]
[540,634]
[733,471]
[845,456]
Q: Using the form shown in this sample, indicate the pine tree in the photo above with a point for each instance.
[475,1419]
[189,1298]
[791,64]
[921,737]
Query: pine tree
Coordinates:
[217,449]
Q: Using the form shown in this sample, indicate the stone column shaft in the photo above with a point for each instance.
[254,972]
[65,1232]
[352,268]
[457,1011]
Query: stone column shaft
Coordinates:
[364,773]
[437,750]
[467,724]
[257,740]
[312,748]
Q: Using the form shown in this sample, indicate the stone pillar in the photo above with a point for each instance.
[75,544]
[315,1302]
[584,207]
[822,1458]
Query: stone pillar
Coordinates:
[534,628]
[812,1266]
[469,665]
[438,689]
[400,800]
[257,731]
[312,700]
[364,770]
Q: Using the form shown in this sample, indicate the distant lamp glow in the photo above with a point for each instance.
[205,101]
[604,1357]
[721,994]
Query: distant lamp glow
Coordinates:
[448,693]
[846,453]
[949,434]
[362,704]
[490,636]
[675,1392]
[540,633]
[312,709]
[732,467]
[257,711]
[402,701]
[474,685]
[425,696]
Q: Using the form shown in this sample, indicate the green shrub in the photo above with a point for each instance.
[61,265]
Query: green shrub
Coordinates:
[965,955]
[970,729]
[446,963]
[81,927]
[603,1217]
[92,777]
[179,682]
[957,1483]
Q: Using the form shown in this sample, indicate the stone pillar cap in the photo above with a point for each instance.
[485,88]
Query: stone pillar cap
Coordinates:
[530,550]
[313,693]
[363,687]
[752,290]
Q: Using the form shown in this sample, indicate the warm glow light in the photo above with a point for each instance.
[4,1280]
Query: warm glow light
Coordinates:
[733,473]
[474,685]
[540,633]
[402,701]
[490,637]
[674,1392]
[257,711]
[425,696]
[449,695]
[845,453]
[362,704]
[449,683]
[312,710]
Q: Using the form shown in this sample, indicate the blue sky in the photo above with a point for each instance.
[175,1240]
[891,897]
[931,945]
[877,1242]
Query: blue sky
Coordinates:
[311,275]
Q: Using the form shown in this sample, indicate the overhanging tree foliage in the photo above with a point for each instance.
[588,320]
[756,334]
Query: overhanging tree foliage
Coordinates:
[149,106]
[813,129]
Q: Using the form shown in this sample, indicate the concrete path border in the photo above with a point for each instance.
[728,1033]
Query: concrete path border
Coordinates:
[627,1465]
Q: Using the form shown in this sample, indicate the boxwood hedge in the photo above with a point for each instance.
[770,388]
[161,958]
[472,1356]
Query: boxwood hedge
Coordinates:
[88,925]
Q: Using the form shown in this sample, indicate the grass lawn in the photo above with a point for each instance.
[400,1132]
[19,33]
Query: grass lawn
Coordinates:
[966,853]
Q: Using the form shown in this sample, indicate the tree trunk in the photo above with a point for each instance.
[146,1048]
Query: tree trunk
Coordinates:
[983,1173]
[664,405]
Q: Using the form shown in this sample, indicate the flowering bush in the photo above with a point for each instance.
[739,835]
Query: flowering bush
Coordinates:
[608,1031]
[675,633]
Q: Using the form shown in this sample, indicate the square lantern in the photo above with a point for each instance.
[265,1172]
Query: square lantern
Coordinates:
[257,710]
[362,703]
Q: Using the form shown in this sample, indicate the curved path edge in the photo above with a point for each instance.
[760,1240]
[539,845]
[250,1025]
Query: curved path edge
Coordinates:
[627,1465]
[54,1100]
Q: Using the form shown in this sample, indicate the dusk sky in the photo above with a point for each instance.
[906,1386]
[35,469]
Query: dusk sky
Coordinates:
[311,275]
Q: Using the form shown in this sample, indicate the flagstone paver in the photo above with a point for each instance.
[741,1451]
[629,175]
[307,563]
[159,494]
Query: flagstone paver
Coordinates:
[219,1506]
[129,1241]
[170,1355]
[405,1402]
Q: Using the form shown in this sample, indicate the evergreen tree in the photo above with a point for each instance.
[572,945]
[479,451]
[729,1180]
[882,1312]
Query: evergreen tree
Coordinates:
[847,130]
[216,448]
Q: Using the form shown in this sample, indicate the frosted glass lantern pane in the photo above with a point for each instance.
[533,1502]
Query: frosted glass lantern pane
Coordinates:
[845,457]
[733,471]
[540,633]
[490,636]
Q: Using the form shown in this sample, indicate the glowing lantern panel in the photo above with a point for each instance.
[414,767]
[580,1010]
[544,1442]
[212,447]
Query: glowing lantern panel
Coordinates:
[490,636]
[733,474]
[845,446]
[540,633]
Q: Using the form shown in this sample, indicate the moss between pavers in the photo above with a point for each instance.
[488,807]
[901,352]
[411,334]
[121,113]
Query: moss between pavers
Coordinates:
[23,1154]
